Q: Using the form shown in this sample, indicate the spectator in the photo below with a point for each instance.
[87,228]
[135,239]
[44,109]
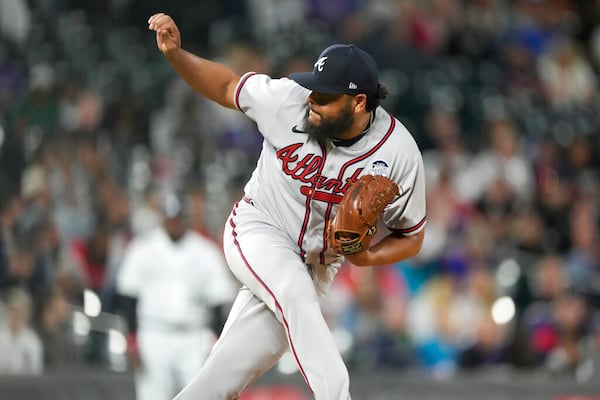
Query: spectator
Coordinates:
[488,347]
[375,316]
[56,332]
[25,270]
[583,261]
[567,323]
[567,77]
[10,214]
[556,322]
[15,20]
[20,346]
[504,161]
[431,328]
[89,259]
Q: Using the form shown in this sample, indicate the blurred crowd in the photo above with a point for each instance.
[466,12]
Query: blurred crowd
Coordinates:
[501,96]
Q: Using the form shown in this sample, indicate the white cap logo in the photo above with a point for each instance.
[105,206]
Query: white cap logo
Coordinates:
[320,64]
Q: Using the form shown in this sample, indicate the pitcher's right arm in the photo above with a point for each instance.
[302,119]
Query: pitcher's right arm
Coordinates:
[212,80]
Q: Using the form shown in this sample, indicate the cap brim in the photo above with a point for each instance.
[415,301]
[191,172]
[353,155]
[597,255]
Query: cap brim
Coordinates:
[308,80]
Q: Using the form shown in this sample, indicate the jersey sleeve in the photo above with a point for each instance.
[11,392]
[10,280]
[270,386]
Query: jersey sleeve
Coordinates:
[262,98]
[130,274]
[407,214]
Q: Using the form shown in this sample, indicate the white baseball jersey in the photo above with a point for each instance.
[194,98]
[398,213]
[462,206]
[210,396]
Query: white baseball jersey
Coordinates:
[299,183]
[174,283]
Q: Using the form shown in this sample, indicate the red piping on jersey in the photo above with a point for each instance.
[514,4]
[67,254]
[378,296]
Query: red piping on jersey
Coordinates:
[241,83]
[311,193]
[418,225]
[341,175]
[263,284]
[411,229]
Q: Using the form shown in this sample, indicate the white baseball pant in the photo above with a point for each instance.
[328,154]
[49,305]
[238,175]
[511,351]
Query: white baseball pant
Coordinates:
[278,308]
[170,359]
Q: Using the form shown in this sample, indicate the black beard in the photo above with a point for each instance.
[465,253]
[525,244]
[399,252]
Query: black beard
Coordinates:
[329,128]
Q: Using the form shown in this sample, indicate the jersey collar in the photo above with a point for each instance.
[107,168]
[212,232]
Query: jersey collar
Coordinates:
[350,142]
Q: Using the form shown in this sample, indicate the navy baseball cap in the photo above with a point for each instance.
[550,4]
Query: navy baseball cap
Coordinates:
[341,68]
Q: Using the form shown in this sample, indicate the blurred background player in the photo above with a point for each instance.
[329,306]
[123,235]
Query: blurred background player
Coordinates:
[173,284]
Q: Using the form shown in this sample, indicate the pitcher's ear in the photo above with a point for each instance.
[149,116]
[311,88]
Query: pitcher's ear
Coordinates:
[360,102]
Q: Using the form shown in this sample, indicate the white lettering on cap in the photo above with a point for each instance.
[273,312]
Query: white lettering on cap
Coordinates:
[320,64]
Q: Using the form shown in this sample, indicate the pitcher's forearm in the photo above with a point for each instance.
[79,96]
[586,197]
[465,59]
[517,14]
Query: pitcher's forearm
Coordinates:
[389,250]
[212,80]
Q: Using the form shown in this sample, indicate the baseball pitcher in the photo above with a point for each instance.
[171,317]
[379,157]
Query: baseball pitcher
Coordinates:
[285,239]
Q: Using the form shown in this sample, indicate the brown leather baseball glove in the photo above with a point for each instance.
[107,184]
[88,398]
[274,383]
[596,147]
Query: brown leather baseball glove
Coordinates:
[354,224]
